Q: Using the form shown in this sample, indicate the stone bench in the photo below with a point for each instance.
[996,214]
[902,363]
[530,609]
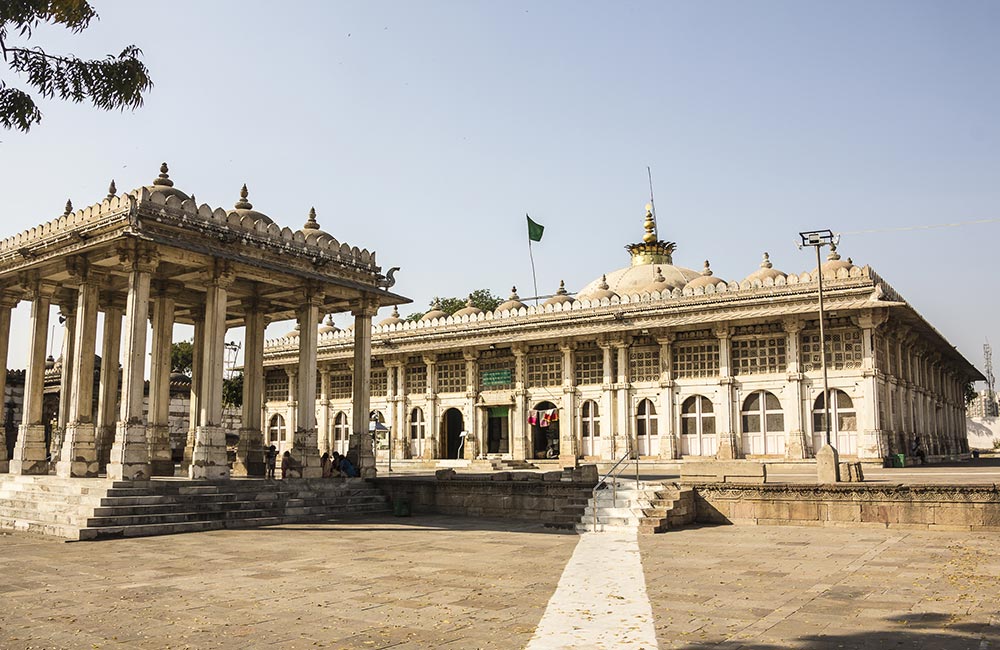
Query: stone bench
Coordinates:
[723,471]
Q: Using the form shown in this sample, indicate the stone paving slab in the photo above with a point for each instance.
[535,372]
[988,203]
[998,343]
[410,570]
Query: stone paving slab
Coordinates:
[438,582]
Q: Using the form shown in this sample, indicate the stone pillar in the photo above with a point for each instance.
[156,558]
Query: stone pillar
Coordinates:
[130,451]
[361,439]
[872,442]
[292,406]
[7,302]
[569,445]
[520,448]
[67,309]
[475,442]
[728,445]
[609,440]
[30,454]
[432,438]
[79,451]
[798,446]
[209,459]
[107,399]
[194,407]
[401,435]
[161,457]
[625,431]
[323,419]
[249,451]
[305,450]
[669,440]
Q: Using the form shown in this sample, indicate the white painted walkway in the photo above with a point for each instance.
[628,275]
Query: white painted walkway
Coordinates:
[601,600]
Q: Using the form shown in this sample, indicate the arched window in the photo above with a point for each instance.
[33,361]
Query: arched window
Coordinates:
[276,429]
[763,424]
[341,432]
[698,427]
[843,420]
[418,433]
[590,428]
[645,427]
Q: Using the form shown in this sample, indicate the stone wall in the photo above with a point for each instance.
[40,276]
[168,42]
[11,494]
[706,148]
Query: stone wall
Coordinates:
[888,506]
[528,496]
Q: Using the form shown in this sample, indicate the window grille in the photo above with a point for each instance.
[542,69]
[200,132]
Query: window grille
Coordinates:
[380,382]
[758,356]
[696,359]
[545,369]
[644,364]
[844,350]
[451,377]
[416,378]
[341,385]
[589,367]
[276,386]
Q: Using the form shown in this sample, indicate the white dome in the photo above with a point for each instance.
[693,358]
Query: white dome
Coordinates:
[635,279]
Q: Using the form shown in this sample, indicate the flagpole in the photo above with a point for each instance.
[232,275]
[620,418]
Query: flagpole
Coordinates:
[534,281]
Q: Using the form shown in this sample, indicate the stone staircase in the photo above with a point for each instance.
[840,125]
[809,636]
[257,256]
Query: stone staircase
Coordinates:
[504,464]
[648,507]
[88,509]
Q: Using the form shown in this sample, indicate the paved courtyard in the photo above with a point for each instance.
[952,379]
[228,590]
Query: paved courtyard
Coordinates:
[429,582]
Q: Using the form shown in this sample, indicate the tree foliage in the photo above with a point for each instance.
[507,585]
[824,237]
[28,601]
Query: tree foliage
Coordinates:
[116,81]
[481,298]
[232,390]
[182,357]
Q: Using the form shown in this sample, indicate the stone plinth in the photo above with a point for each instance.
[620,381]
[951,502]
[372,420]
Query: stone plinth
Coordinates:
[161,458]
[30,455]
[209,459]
[827,465]
[79,452]
[249,454]
[129,453]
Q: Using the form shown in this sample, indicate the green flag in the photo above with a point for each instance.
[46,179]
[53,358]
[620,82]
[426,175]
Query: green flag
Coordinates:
[535,230]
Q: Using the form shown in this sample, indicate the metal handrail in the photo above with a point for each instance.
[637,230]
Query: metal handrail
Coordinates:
[614,472]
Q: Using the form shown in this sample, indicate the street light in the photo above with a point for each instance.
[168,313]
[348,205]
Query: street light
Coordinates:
[818,239]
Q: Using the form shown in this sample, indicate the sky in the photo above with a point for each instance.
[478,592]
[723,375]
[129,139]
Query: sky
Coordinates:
[426,130]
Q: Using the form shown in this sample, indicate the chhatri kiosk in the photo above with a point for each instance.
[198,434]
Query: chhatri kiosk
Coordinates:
[154,254]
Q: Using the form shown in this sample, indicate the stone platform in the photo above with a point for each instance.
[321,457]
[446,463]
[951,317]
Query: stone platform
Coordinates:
[86,509]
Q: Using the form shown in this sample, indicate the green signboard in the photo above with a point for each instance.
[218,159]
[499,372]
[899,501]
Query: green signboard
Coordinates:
[500,377]
[499,411]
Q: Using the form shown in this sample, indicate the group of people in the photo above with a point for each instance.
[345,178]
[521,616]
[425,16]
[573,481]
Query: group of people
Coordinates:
[335,465]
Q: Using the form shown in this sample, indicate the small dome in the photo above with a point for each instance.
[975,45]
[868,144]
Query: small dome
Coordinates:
[435,312]
[765,271]
[659,283]
[833,262]
[705,279]
[513,302]
[469,309]
[601,292]
[294,334]
[311,227]
[245,209]
[328,327]
[163,185]
[562,296]
[394,319]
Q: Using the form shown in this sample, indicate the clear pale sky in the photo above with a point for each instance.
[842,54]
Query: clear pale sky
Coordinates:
[426,130]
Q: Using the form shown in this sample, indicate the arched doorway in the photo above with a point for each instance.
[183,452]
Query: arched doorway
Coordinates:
[698,427]
[544,421]
[645,428]
[843,421]
[418,433]
[590,429]
[453,424]
[763,423]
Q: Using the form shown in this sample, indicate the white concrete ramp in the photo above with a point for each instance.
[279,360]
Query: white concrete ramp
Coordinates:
[601,599]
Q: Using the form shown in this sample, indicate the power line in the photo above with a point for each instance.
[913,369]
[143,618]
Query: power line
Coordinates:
[928,227]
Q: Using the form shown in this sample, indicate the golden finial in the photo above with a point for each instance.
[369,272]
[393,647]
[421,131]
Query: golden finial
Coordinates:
[243,204]
[649,225]
[69,208]
[163,178]
[112,190]
[311,223]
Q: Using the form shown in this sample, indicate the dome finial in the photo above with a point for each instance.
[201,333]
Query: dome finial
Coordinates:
[395,312]
[311,223]
[164,178]
[707,270]
[562,288]
[112,190]
[243,204]
[659,275]
[766,264]
[834,255]
[649,225]
[604,282]
[69,208]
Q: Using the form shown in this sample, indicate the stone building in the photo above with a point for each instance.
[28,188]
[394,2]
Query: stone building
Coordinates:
[155,255]
[651,359]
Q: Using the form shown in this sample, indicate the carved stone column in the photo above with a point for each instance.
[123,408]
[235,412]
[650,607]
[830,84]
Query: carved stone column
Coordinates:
[569,445]
[401,438]
[729,448]
[67,309]
[798,446]
[323,420]
[79,451]
[521,447]
[669,440]
[107,399]
[130,451]
[609,441]
[305,450]
[209,459]
[872,441]
[626,433]
[8,301]
[161,457]
[432,438]
[30,454]
[249,451]
[475,442]
[291,414]
[194,410]
[361,439]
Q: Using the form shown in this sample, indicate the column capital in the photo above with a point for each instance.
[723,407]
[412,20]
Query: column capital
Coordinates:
[365,306]
[78,268]
[138,257]
[255,303]
[470,354]
[793,325]
[309,296]
[111,300]
[166,288]
[721,331]
[10,298]
[872,318]
[666,338]
[567,346]
[66,298]
[430,359]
